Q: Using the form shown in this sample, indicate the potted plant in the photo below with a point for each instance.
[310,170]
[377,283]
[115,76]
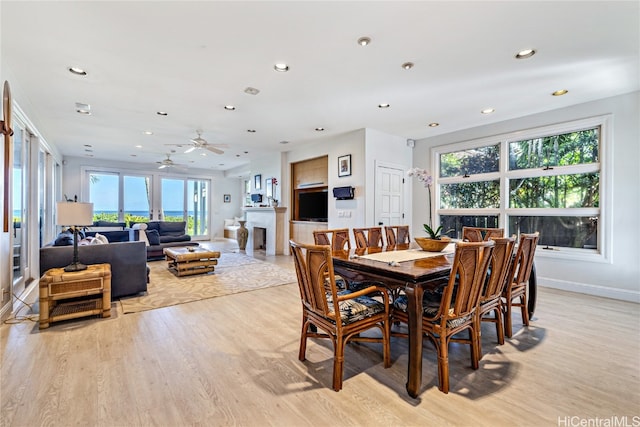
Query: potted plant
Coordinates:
[436,242]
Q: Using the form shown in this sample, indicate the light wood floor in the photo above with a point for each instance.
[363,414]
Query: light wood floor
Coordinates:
[233,361]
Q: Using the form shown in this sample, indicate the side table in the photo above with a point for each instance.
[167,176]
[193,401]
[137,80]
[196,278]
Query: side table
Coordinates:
[68,295]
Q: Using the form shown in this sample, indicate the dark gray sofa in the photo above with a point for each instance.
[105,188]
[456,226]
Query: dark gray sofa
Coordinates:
[165,234]
[128,263]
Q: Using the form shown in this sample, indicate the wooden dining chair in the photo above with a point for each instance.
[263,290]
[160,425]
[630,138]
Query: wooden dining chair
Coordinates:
[518,280]
[368,237]
[397,234]
[491,296]
[480,234]
[341,316]
[456,310]
[337,238]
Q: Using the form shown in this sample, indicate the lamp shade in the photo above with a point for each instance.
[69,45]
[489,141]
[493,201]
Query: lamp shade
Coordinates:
[75,213]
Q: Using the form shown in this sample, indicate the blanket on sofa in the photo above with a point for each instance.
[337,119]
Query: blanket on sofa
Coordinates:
[234,273]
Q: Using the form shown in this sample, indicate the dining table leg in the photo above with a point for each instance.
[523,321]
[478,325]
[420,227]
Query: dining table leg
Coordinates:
[414,308]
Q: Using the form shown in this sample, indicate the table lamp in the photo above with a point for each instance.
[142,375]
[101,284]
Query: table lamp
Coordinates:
[75,214]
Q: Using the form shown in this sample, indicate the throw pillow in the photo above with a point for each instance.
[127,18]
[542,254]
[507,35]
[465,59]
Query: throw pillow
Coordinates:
[99,239]
[154,237]
[229,223]
[64,239]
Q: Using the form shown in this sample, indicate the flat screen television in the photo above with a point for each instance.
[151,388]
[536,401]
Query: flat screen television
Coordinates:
[313,206]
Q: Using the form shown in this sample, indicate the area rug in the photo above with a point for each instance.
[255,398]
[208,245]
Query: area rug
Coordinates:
[235,273]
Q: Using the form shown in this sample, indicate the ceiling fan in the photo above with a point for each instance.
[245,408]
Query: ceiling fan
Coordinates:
[168,163]
[199,143]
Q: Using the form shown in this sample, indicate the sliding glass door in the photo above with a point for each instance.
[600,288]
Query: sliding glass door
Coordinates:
[186,200]
[119,196]
[20,201]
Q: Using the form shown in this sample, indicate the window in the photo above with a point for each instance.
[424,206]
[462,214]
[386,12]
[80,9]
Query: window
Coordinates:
[547,179]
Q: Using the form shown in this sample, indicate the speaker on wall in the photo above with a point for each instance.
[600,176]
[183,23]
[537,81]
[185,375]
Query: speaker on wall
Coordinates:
[343,193]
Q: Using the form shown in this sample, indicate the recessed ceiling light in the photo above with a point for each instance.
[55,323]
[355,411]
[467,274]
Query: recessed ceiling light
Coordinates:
[364,41]
[83,108]
[77,71]
[251,130]
[203,154]
[284,142]
[148,132]
[319,129]
[229,107]
[251,91]
[384,105]
[138,146]
[88,145]
[433,125]
[133,155]
[162,113]
[245,152]
[281,68]
[527,53]
[407,65]
[488,110]
[560,92]
[237,155]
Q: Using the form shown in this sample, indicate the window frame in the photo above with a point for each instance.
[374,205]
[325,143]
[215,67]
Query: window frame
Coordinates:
[504,175]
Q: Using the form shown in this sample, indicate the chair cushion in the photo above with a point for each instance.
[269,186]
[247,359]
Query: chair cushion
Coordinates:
[356,309]
[429,309]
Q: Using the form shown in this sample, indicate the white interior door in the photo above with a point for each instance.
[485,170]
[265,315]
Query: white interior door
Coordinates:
[389,195]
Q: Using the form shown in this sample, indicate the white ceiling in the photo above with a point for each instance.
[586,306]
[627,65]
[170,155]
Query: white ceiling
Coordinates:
[191,59]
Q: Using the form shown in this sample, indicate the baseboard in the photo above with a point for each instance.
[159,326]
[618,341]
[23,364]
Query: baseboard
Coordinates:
[595,290]
[28,295]
[5,311]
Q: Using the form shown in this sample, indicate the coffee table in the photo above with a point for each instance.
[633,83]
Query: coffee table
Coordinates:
[185,261]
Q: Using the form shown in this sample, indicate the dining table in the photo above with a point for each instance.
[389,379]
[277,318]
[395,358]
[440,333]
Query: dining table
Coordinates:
[403,267]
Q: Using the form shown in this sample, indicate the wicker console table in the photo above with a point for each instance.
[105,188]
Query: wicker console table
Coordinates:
[68,295]
[185,261]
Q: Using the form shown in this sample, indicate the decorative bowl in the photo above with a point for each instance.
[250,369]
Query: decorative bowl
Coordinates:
[432,245]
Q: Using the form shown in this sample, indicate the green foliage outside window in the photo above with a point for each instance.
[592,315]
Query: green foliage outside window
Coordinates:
[575,148]
[132,219]
[561,191]
[470,162]
[482,194]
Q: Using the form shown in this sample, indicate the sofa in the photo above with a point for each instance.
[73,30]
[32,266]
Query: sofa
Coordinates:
[128,262]
[113,231]
[160,235]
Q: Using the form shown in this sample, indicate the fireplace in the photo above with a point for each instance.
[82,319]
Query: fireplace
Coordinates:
[259,238]
[266,230]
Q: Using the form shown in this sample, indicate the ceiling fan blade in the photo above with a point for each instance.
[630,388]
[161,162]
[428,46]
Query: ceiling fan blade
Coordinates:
[190,149]
[198,141]
[162,166]
[214,149]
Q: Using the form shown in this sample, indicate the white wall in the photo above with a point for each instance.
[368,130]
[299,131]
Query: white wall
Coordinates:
[391,150]
[348,143]
[366,147]
[620,278]
[74,183]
